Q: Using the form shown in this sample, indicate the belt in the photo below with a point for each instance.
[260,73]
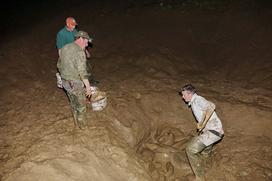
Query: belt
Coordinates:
[216,133]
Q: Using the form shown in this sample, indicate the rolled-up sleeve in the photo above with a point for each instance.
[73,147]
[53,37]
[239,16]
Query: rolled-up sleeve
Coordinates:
[204,105]
[200,106]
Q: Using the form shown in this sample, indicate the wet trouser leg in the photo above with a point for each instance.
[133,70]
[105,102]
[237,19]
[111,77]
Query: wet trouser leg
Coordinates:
[207,151]
[78,105]
[206,155]
[76,95]
[193,150]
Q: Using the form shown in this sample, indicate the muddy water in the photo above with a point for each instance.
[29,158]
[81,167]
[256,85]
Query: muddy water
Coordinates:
[142,133]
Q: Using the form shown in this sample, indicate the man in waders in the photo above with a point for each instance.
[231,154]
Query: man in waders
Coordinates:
[209,129]
[73,71]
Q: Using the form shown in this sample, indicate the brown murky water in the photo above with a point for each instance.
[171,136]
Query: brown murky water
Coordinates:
[141,56]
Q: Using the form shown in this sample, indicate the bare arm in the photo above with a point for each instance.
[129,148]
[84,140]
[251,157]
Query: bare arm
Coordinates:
[88,55]
[88,87]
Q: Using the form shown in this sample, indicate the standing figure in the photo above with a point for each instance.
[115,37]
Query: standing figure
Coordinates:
[209,129]
[74,74]
[67,34]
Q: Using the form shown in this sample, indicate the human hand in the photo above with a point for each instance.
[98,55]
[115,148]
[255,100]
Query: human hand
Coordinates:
[88,55]
[88,92]
[91,91]
[199,127]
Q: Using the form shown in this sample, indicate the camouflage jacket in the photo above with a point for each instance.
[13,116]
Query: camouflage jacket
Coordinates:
[72,63]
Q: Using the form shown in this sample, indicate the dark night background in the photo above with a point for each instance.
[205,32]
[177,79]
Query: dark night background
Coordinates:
[143,52]
[14,12]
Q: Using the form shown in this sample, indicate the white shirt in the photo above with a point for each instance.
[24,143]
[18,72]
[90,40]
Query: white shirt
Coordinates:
[199,105]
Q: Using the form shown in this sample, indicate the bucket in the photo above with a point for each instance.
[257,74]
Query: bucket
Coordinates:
[99,105]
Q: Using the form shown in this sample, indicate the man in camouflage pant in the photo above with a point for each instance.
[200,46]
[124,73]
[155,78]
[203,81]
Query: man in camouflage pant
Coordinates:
[74,74]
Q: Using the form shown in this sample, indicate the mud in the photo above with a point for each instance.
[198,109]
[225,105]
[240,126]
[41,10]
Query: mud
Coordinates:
[141,56]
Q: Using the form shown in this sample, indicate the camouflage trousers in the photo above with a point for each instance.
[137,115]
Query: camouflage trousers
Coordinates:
[197,154]
[76,93]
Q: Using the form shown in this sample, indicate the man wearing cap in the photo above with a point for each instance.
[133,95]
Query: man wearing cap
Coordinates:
[209,129]
[67,35]
[74,74]
[64,36]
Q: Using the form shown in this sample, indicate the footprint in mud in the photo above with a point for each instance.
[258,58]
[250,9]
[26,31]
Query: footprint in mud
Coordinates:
[165,154]
[147,155]
[120,101]
[162,172]
[76,155]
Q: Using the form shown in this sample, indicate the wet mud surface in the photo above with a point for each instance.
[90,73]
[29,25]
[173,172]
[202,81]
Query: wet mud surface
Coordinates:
[141,56]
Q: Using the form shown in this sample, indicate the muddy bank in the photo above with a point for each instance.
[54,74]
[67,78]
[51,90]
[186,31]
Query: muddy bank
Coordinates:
[141,57]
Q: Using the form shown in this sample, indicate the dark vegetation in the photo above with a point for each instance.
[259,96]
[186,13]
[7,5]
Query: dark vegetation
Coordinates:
[22,12]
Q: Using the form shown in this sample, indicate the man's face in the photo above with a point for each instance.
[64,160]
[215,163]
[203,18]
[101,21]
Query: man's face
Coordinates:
[85,42]
[71,23]
[187,96]
[70,26]
[82,42]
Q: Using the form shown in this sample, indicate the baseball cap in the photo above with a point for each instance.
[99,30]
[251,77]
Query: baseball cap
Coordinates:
[71,21]
[83,34]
